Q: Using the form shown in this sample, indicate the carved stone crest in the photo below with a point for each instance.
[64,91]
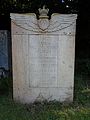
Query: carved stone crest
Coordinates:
[43,22]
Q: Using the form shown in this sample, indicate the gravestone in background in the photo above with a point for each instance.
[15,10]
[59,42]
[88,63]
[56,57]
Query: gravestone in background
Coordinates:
[4,38]
[43,53]
[4,48]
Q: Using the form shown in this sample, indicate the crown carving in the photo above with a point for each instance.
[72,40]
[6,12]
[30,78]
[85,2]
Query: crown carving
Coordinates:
[43,12]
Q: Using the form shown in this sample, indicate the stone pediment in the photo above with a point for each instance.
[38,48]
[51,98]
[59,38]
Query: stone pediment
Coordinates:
[57,23]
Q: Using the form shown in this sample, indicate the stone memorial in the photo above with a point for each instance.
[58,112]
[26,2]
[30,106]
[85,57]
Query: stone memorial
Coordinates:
[43,54]
[4,38]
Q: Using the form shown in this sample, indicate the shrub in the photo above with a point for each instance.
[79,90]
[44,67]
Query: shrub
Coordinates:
[5,85]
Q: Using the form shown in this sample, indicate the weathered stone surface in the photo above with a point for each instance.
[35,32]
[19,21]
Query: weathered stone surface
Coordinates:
[43,53]
[4,49]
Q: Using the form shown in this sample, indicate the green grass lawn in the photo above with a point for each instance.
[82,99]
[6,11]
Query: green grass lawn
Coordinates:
[78,110]
[9,110]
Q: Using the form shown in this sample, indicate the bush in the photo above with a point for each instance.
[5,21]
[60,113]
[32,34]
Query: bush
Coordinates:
[5,85]
[83,67]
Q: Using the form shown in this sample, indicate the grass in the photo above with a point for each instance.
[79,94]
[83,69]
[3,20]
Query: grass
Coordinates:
[78,110]
[10,110]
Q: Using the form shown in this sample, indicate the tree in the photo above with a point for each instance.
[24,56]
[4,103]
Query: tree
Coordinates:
[62,6]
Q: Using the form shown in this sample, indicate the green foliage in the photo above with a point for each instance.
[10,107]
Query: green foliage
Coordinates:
[82,82]
[9,110]
[83,67]
[78,110]
[5,85]
[82,91]
[7,6]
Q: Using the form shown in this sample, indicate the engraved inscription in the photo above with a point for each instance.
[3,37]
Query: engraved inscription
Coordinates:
[43,60]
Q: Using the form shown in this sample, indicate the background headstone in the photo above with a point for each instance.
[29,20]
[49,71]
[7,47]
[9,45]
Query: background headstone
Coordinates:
[4,38]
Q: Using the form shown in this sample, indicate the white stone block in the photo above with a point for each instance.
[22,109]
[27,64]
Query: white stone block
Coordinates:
[43,54]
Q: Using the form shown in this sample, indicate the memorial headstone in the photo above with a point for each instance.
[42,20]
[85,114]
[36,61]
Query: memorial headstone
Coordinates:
[4,38]
[43,53]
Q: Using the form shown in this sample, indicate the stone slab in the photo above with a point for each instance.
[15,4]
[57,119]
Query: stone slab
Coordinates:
[43,60]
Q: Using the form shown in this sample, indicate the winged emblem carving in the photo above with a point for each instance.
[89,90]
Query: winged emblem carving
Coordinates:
[56,23]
